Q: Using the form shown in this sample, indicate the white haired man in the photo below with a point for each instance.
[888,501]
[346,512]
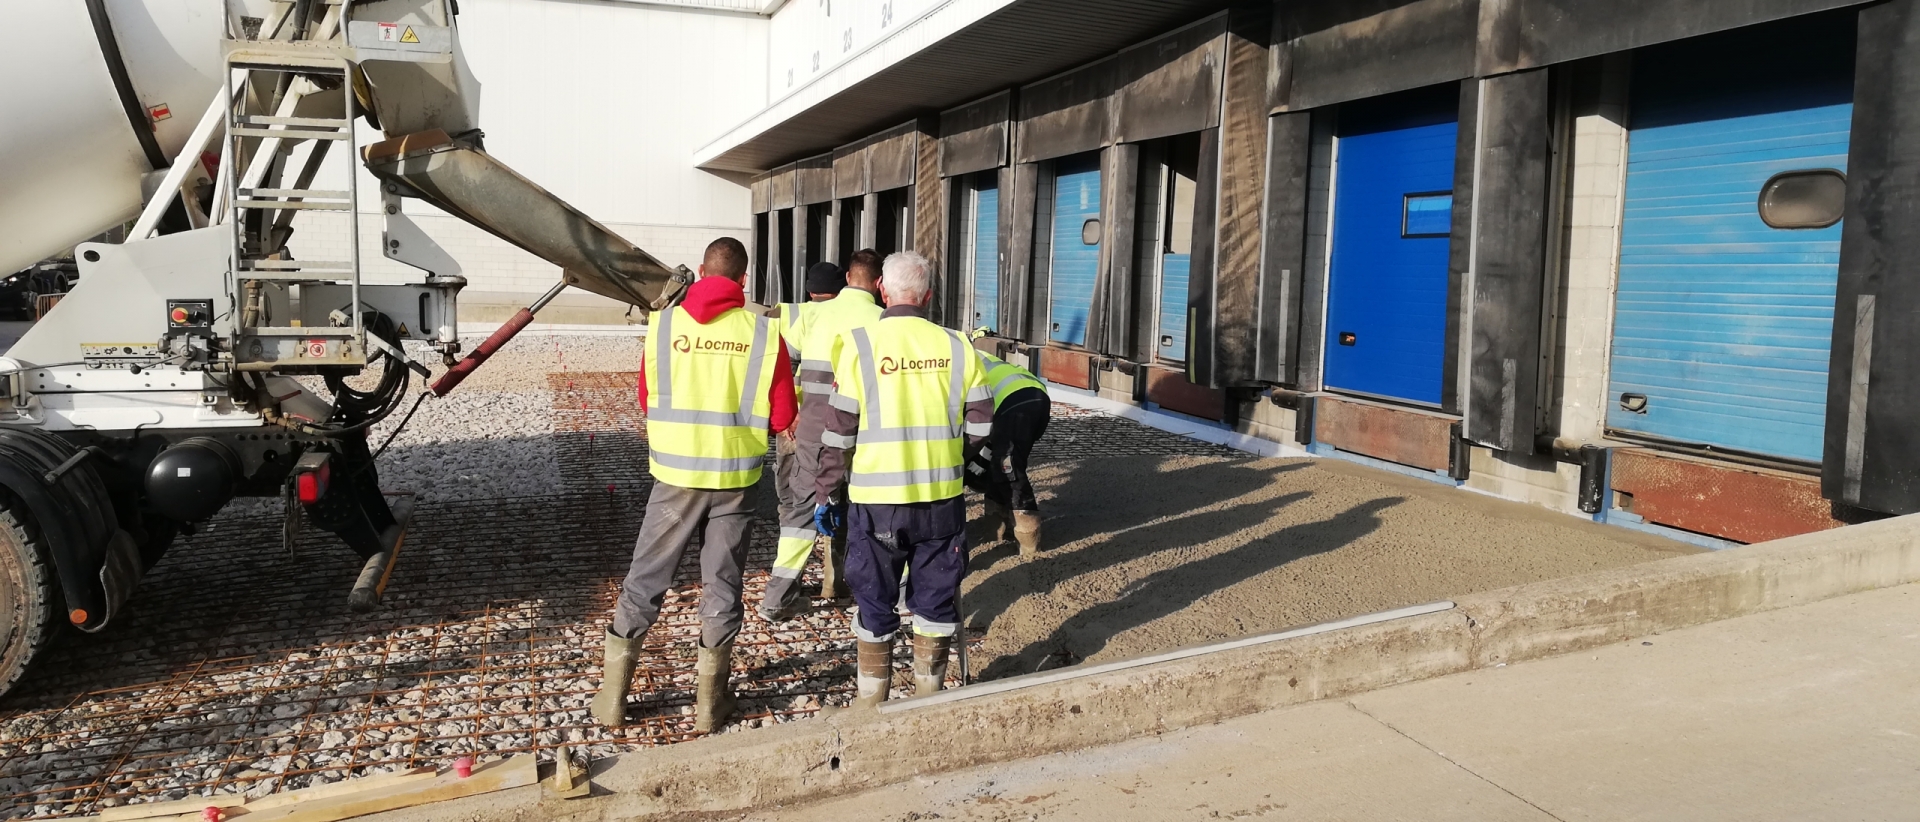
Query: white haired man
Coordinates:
[914,398]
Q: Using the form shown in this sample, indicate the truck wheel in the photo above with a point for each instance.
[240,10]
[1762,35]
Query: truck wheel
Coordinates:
[29,600]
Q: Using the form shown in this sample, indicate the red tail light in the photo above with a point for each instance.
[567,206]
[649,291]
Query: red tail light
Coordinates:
[312,485]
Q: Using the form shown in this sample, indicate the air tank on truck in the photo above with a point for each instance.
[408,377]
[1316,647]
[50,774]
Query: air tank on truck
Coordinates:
[164,385]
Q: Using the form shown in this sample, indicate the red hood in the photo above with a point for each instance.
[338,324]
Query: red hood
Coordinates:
[709,297]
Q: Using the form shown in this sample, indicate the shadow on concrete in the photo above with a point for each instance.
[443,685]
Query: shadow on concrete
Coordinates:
[1166,516]
[1165,592]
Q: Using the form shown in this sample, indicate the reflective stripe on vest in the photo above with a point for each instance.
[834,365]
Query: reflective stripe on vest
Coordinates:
[1004,378]
[902,455]
[851,308]
[709,429]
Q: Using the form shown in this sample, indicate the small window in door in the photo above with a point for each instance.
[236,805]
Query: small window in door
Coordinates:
[1427,215]
[1812,198]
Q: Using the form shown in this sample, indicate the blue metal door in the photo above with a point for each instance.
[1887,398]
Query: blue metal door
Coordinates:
[1387,288]
[1175,272]
[1723,321]
[986,256]
[1076,262]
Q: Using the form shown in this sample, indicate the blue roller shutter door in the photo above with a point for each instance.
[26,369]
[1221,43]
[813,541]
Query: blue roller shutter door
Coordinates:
[1076,264]
[1175,272]
[986,257]
[1387,290]
[1723,323]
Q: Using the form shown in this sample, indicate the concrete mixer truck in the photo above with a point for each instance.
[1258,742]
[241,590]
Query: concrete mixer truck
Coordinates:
[184,370]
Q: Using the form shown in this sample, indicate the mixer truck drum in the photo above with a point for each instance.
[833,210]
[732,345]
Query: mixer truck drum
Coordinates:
[192,480]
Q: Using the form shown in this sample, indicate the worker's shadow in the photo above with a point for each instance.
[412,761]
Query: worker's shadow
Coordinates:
[1136,518]
[1168,591]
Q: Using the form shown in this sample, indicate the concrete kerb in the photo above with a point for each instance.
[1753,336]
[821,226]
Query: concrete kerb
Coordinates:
[848,750]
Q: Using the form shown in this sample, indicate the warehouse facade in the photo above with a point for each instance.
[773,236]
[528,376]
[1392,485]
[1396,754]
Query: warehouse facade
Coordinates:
[1636,260]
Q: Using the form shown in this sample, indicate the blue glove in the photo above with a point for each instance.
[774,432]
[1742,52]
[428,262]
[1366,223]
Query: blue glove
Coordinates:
[824,520]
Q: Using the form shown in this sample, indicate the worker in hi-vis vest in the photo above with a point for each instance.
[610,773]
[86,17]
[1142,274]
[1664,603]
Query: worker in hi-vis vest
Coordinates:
[1020,412]
[793,474]
[909,397]
[714,379]
[855,306]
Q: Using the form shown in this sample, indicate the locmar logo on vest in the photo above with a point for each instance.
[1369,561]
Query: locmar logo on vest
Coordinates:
[889,365]
[685,344]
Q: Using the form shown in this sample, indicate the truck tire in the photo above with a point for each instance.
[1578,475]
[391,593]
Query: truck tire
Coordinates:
[29,600]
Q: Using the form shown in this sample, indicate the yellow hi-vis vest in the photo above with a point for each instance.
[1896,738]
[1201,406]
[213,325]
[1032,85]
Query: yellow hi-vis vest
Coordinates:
[909,380]
[793,329]
[707,405]
[1004,378]
[851,308]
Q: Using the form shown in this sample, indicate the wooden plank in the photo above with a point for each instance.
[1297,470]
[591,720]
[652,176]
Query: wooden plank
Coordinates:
[518,772]
[1422,440]
[237,804]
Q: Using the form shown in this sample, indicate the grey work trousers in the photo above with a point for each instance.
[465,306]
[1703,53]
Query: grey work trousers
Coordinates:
[796,520]
[673,515]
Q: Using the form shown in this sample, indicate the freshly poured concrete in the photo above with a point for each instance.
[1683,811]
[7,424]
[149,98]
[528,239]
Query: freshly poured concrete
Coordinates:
[1803,713]
[1150,554]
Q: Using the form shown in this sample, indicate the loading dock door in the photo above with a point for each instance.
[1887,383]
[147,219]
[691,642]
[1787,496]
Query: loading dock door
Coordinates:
[986,254]
[1723,321]
[1076,246]
[1176,259]
[1387,285]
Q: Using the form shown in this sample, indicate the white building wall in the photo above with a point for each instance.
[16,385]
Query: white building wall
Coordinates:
[602,103]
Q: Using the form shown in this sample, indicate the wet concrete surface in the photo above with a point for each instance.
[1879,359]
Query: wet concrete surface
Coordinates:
[1148,554]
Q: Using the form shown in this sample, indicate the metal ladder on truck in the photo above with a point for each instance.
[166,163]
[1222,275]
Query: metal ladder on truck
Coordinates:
[274,80]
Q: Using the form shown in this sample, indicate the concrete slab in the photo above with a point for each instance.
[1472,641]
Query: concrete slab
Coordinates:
[1320,762]
[1803,713]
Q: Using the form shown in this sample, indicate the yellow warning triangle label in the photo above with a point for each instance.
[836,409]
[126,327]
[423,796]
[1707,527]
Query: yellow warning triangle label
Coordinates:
[409,36]
[403,330]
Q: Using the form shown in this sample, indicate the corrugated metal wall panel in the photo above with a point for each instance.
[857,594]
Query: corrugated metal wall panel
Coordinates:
[1076,265]
[1386,290]
[986,254]
[1723,323]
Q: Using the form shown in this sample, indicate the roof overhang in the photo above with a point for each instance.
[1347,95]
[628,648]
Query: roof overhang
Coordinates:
[957,52]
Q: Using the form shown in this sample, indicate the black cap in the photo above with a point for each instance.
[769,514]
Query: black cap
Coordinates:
[825,278]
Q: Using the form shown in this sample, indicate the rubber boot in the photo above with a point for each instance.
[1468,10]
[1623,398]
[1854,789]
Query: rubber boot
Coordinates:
[930,655]
[610,705]
[876,673]
[999,522]
[1026,528]
[713,697]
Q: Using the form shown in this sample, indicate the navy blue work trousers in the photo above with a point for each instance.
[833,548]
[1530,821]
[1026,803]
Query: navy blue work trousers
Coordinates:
[930,538]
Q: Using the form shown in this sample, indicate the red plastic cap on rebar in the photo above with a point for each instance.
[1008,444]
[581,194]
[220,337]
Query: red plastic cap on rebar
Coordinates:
[463,767]
[211,814]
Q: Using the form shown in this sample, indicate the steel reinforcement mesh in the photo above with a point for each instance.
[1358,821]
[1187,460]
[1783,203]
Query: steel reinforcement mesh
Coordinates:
[238,668]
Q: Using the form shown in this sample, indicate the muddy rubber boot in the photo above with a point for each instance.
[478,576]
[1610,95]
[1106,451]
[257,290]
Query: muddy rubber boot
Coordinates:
[713,697]
[999,522]
[930,655]
[876,674]
[1026,528]
[610,705]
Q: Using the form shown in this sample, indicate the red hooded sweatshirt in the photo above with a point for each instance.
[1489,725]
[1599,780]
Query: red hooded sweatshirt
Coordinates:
[708,298]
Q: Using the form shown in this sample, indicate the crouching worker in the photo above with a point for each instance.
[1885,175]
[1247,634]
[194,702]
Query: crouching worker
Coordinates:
[908,397]
[714,379]
[1020,412]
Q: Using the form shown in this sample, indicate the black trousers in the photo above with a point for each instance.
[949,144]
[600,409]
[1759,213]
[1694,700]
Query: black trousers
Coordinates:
[1017,424]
